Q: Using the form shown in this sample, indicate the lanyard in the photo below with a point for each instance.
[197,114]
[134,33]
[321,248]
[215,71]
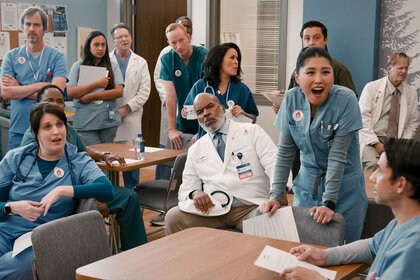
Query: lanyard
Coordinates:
[212,90]
[39,64]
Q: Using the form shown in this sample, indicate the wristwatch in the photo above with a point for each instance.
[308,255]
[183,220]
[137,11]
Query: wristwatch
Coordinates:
[103,154]
[7,209]
[330,204]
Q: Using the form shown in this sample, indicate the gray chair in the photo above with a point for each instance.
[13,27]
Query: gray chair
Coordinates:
[162,195]
[311,232]
[84,205]
[63,245]
[377,218]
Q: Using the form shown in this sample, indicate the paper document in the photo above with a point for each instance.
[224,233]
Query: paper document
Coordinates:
[278,260]
[127,161]
[281,225]
[239,118]
[24,241]
[149,149]
[89,74]
[275,96]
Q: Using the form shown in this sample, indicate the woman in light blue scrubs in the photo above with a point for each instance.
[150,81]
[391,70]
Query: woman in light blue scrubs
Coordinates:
[96,116]
[322,120]
[38,184]
[222,77]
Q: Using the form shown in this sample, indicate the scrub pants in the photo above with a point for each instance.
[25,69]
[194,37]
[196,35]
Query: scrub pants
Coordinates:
[16,268]
[14,140]
[92,137]
[129,217]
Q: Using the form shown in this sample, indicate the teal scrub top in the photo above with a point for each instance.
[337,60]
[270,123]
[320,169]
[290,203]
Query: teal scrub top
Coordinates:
[184,78]
[238,92]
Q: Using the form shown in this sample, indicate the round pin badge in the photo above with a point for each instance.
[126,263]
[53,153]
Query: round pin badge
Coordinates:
[58,172]
[230,103]
[21,60]
[245,132]
[178,73]
[298,115]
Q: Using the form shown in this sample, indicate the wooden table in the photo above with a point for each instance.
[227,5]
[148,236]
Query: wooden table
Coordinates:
[197,253]
[150,159]
[369,186]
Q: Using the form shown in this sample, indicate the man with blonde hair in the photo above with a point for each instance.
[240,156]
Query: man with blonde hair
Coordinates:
[389,109]
[181,68]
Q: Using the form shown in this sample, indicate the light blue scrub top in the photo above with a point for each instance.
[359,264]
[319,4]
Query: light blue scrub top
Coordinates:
[16,64]
[397,251]
[93,116]
[340,111]
[239,93]
[184,78]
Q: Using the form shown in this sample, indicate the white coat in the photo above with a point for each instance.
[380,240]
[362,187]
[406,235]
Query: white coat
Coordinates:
[205,168]
[371,102]
[136,92]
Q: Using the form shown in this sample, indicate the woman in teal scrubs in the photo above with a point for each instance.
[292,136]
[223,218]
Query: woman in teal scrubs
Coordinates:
[322,120]
[96,116]
[222,77]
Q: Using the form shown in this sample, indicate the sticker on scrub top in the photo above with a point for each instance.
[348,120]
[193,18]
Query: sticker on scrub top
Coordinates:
[21,60]
[244,171]
[245,132]
[98,102]
[230,103]
[178,73]
[58,172]
[298,115]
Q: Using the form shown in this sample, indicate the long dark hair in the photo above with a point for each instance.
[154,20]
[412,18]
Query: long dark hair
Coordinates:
[39,110]
[88,58]
[213,63]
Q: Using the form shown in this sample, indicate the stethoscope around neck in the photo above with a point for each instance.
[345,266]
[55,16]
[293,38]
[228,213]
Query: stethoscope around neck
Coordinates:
[23,179]
[208,86]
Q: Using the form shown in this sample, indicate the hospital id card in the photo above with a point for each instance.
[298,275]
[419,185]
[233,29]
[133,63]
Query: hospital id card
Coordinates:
[244,171]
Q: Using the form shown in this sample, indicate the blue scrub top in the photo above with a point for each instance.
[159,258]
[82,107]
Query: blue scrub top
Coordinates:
[339,115]
[239,93]
[93,116]
[396,251]
[16,64]
[184,78]
[35,187]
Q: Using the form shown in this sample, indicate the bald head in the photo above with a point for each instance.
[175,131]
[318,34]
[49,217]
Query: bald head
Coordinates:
[210,113]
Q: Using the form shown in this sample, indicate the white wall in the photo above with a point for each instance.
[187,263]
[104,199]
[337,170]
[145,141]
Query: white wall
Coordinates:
[199,19]
[114,16]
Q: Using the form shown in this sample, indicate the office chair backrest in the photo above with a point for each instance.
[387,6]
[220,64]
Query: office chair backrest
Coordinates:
[311,232]
[84,205]
[377,218]
[63,245]
[176,175]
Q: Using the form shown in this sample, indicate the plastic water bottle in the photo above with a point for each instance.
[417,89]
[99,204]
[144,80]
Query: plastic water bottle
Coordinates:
[139,146]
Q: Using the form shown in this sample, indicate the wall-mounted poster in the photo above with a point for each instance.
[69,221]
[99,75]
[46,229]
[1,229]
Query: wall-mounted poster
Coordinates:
[60,19]
[82,33]
[9,19]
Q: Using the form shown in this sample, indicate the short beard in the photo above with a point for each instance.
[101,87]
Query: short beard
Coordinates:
[214,128]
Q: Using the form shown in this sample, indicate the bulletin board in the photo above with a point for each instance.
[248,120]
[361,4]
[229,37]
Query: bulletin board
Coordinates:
[10,23]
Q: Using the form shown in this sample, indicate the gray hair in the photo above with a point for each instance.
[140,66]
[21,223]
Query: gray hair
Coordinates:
[31,11]
[118,25]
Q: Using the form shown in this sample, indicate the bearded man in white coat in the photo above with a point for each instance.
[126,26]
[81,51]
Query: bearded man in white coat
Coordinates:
[136,91]
[227,173]
[376,107]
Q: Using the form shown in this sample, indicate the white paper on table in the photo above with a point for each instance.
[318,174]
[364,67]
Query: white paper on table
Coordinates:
[21,243]
[275,96]
[239,118]
[278,260]
[127,161]
[89,74]
[149,149]
[280,225]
